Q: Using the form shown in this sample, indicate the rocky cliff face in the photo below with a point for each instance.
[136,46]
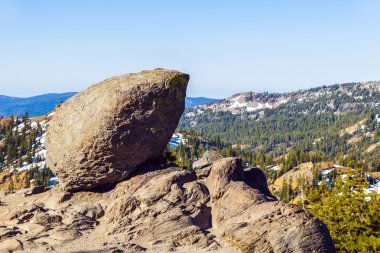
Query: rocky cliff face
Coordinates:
[217,207]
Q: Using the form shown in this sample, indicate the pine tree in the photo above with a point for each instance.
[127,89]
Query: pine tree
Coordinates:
[27,181]
[285,191]
[349,215]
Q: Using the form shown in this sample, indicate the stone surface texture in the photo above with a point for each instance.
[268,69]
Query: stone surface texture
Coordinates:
[101,134]
[202,166]
[163,210]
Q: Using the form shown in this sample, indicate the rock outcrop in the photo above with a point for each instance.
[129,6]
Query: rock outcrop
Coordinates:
[253,221]
[5,122]
[163,210]
[202,166]
[101,134]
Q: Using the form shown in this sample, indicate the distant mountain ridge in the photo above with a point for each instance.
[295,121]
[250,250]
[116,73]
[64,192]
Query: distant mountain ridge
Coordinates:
[333,120]
[193,102]
[43,104]
[338,98]
[35,106]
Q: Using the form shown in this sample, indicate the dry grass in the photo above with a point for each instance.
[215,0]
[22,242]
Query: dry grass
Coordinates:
[352,128]
[303,169]
[355,139]
[18,179]
[372,147]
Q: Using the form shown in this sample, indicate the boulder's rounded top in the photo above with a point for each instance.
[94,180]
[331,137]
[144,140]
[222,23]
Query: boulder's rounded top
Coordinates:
[154,75]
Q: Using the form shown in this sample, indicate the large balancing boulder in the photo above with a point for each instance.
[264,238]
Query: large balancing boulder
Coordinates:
[100,135]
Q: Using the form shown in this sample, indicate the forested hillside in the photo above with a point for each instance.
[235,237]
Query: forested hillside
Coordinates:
[311,120]
[22,153]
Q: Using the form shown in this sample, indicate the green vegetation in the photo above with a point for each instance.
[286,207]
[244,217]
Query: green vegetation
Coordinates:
[352,217]
[279,131]
[40,177]
[191,151]
[19,144]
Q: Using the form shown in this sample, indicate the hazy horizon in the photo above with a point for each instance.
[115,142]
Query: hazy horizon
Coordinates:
[227,48]
[201,96]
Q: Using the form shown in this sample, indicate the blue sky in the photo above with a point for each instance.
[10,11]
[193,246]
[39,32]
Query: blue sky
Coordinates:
[226,46]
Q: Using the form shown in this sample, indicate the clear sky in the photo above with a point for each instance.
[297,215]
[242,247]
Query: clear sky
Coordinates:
[226,46]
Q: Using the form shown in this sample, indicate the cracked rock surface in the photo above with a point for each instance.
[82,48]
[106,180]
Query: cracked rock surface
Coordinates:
[100,135]
[162,210]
